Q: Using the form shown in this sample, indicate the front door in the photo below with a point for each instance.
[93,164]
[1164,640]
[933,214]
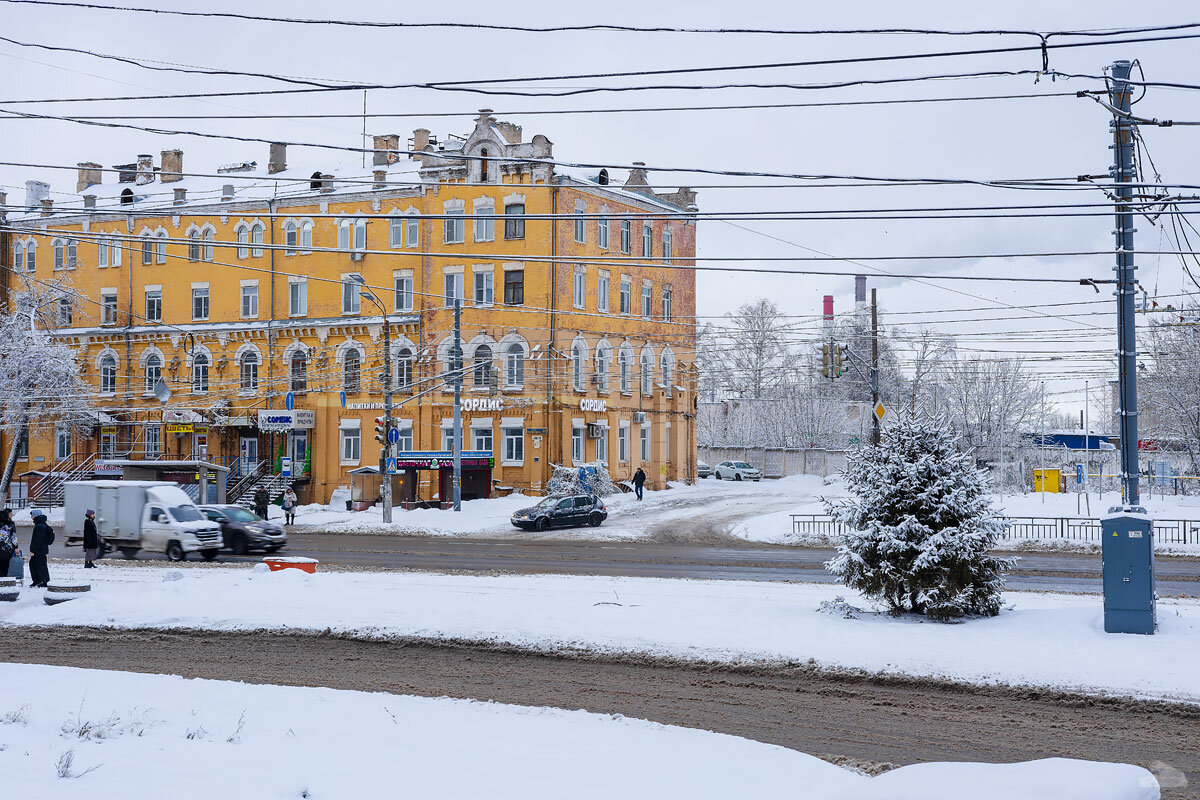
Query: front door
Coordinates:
[299,450]
[108,445]
[249,453]
[156,529]
[199,445]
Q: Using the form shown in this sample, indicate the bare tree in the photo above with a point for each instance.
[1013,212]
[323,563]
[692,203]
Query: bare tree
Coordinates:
[756,356]
[1169,389]
[987,400]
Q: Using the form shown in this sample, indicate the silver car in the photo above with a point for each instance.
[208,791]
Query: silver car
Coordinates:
[703,470]
[737,471]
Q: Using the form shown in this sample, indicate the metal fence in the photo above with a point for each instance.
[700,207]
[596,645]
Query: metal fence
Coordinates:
[777,462]
[1079,529]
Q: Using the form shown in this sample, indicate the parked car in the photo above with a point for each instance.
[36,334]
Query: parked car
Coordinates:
[736,471]
[243,531]
[562,512]
[703,470]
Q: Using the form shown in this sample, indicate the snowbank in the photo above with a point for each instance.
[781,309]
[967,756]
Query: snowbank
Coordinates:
[77,733]
[1043,639]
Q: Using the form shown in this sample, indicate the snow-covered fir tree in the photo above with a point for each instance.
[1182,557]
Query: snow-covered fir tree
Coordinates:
[921,525]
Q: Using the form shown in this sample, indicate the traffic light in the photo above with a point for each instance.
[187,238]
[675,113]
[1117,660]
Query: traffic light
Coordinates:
[826,362]
[840,355]
[380,431]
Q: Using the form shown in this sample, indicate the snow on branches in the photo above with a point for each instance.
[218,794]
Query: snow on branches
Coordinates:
[921,527]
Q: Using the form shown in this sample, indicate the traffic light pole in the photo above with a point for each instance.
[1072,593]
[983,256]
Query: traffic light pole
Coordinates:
[387,420]
[456,445]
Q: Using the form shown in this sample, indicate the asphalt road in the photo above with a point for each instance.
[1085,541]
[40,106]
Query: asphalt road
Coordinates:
[1049,572]
[847,718]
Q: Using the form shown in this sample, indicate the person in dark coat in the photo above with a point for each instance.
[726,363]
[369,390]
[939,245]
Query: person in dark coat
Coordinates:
[261,500]
[639,480]
[91,540]
[39,548]
[8,540]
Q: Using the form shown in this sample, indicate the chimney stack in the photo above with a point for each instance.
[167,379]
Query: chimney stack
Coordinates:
[89,175]
[227,192]
[47,206]
[145,169]
[172,166]
[89,201]
[35,192]
[180,196]
[420,140]
[860,291]
[277,161]
[637,178]
[380,178]
[326,183]
[386,147]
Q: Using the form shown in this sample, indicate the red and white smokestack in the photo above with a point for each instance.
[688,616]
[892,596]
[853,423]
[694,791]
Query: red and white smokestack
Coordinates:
[828,313]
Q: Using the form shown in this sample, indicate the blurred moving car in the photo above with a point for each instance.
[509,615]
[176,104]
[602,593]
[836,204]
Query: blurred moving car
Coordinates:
[703,470]
[244,531]
[737,471]
[562,512]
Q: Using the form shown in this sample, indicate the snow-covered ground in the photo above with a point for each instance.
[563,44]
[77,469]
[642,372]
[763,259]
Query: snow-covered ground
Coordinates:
[77,733]
[1043,639]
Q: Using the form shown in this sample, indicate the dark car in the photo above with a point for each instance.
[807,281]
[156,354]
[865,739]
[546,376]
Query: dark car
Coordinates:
[244,531]
[562,512]
[703,470]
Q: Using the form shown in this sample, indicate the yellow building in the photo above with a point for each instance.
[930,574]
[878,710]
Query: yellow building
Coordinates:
[240,285]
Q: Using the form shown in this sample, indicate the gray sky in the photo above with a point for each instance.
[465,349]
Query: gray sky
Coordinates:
[1045,137]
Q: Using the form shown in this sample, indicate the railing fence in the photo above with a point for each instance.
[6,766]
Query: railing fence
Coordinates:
[1080,529]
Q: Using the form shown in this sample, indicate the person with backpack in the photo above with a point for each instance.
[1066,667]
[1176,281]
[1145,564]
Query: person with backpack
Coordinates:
[8,541]
[39,549]
[639,480]
[91,540]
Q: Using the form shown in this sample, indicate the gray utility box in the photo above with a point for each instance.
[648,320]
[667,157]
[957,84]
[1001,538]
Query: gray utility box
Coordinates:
[1128,552]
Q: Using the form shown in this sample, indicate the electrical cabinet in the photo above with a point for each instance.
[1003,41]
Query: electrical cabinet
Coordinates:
[1128,567]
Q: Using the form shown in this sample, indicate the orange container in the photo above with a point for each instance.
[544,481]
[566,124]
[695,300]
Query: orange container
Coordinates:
[275,564]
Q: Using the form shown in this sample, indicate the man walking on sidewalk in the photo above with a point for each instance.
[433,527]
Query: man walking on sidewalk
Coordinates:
[91,540]
[639,480]
[39,548]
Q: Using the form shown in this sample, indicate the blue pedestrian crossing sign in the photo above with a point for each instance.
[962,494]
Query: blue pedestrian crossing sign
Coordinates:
[289,401]
[391,466]
[393,435]
[1079,473]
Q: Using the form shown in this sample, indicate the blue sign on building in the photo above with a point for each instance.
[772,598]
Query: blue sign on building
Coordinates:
[289,401]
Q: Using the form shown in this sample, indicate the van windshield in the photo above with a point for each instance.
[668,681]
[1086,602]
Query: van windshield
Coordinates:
[185,513]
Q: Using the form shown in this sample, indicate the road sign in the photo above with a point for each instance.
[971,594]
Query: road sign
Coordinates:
[391,466]
[285,467]
[1079,473]
[342,396]
[880,411]
[289,401]
[393,435]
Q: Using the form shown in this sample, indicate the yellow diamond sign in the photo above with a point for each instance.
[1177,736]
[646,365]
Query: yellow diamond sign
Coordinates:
[879,411]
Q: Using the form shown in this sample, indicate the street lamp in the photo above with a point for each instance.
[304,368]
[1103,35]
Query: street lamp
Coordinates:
[385,478]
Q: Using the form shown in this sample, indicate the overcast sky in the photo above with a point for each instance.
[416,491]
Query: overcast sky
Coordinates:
[1043,137]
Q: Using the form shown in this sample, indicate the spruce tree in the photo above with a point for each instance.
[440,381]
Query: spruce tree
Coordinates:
[920,526]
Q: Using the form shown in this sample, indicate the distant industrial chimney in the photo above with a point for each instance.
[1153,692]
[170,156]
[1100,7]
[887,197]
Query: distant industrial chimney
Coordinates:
[860,291]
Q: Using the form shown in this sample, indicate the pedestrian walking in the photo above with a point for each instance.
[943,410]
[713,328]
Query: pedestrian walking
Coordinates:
[91,540]
[39,548]
[289,507]
[261,500]
[639,480]
[8,541]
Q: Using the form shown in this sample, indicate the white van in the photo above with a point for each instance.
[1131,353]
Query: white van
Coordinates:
[155,516]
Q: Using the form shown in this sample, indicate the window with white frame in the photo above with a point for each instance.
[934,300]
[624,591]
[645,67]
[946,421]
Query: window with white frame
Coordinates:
[209,237]
[153,304]
[114,259]
[666,304]
[626,236]
[647,300]
[667,244]
[351,294]
[306,234]
[345,231]
[485,290]
[577,445]
[485,222]
[647,375]
[102,250]
[352,371]
[453,288]
[481,369]
[291,237]
[514,366]
[30,257]
[645,440]
[108,374]
[153,440]
[200,302]
[148,248]
[580,293]
[403,291]
[256,239]
[514,445]
[153,372]
[249,300]
[248,371]
[108,308]
[580,222]
[626,294]
[200,373]
[298,371]
[412,231]
[647,240]
[602,358]
[481,438]
[19,256]
[623,442]
[404,369]
[360,234]
[514,287]
[160,249]
[60,253]
[453,225]
[396,232]
[667,441]
[625,368]
[579,365]
[602,229]
[667,370]
[405,441]
[65,311]
[514,221]
[602,290]
[243,240]
[297,297]
[602,445]
[351,445]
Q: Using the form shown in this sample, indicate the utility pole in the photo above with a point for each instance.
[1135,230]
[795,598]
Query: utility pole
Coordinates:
[874,367]
[457,362]
[387,417]
[1123,174]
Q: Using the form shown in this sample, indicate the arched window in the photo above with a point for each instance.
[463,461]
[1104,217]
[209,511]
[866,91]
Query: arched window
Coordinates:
[351,371]
[290,232]
[483,165]
[60,253]
[193,247]
[147,249]
[602,358]
[256,239]
[579,365]
[108,374]
[248,371]
[625,367]
[18,256]
[299,371]
[72,253]
[482,372]
[200,373]
[668,369]
[243,239]
[315,181]
[306,231]
[344,229]
[514,365]
[31,257]
[404,369]
[153,372]
[647,374]
[127,196]
[209,237]
[160,248]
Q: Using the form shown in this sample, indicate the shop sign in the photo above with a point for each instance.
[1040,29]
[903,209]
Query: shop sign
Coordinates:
[108,430]
[178,428]
[281,420]
[593,404]
[200,429]
[442,459]
[483,404]
[104,468]
[364,406]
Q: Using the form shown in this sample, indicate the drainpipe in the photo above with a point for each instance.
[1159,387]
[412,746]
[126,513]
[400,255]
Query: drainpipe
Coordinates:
[270,336]
[552,434]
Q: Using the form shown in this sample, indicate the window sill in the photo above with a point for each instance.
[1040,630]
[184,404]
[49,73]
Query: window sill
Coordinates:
[512,463]
[298,316]
[350,463]
[249,318]
[351,313]
[513,389]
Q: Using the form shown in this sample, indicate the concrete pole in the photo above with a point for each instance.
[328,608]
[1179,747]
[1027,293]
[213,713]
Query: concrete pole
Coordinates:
[1123,173]
[387,416]
[874,367]
[457,378]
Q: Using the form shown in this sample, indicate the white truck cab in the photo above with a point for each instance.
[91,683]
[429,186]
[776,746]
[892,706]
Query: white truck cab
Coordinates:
[155,516]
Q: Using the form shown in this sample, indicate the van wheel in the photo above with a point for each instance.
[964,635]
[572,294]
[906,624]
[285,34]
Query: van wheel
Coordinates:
[129,552]
[594,520]
[239,545]
[175,551]
[208,555]
[541,524]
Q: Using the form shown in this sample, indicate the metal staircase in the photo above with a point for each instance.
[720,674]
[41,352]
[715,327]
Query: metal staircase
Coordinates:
[274,484]
[49,490]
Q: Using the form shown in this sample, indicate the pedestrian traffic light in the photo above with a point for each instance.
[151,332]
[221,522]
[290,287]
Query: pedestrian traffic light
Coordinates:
[826,363]
[380,431]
